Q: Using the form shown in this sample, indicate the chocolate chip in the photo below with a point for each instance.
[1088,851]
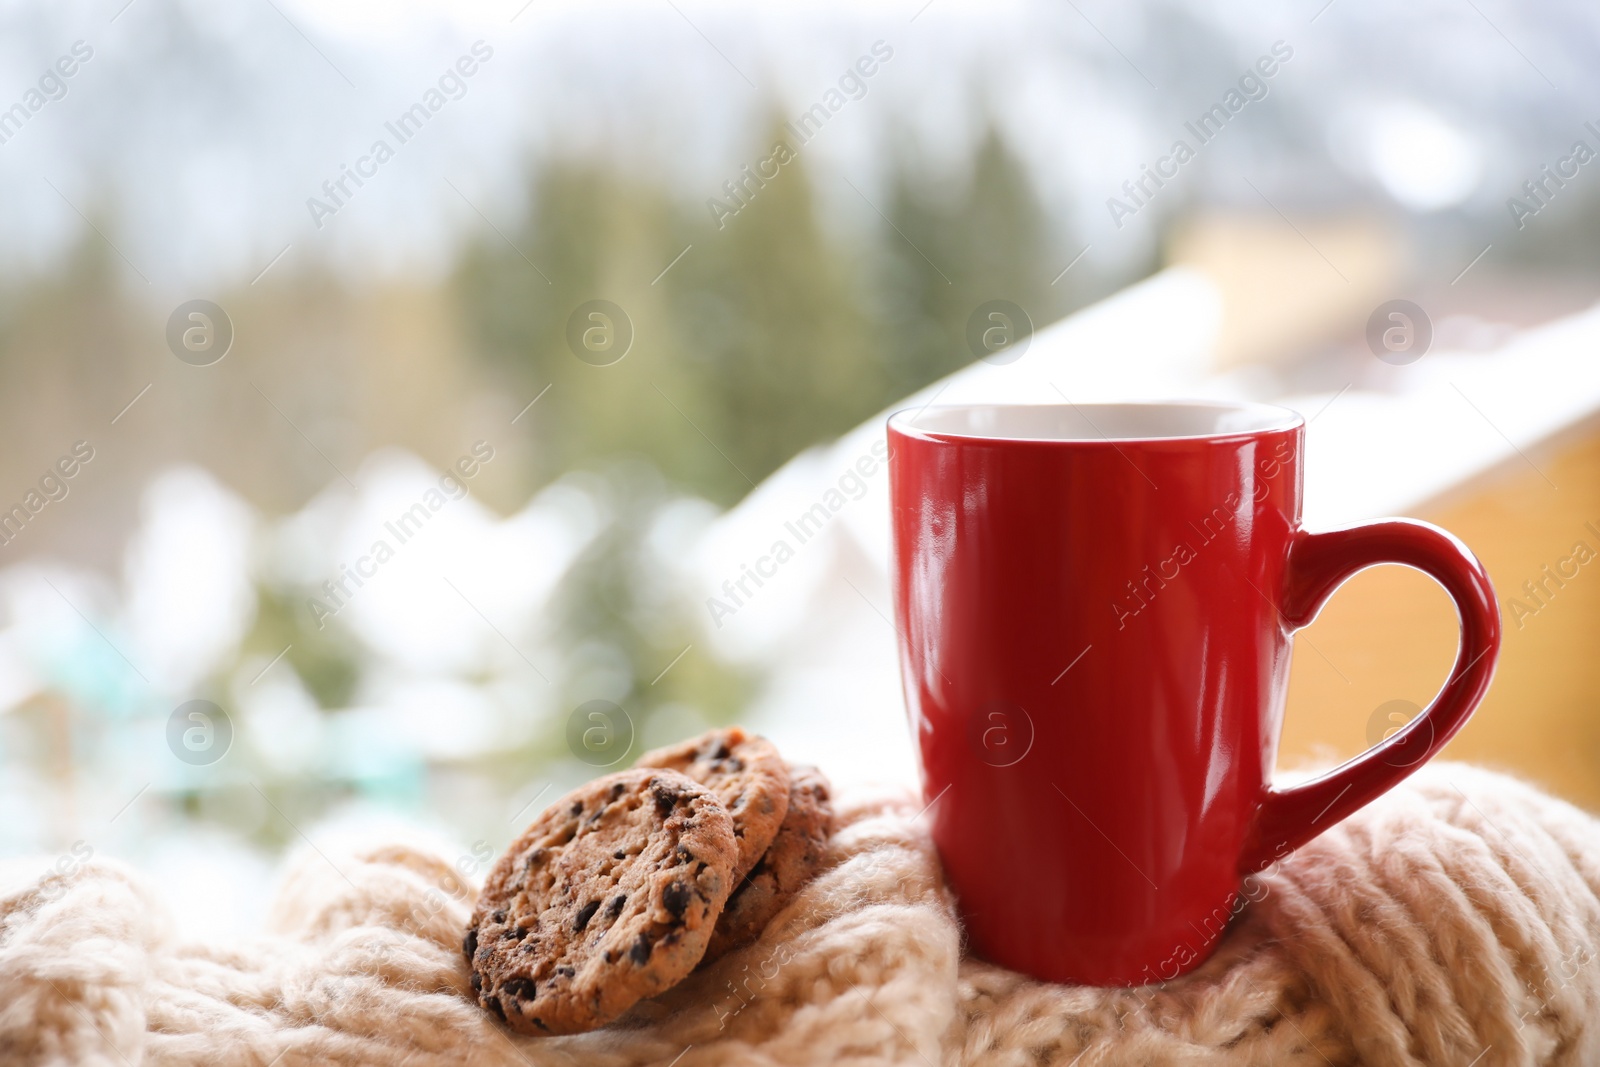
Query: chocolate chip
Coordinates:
[520,988]
[666,798]
[477,982]
[619,855]
[615,907]
[566,972]
[499,916]
[722,752]
[537,857]
[616,790]
[577,807]
[469,944]
[498,1008]
[640,952]
[585,913]
[675,898]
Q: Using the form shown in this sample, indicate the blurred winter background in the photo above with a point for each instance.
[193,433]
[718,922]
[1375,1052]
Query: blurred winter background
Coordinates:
[395,331]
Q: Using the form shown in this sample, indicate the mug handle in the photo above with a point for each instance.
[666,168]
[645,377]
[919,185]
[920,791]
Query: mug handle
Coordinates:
[1318,564]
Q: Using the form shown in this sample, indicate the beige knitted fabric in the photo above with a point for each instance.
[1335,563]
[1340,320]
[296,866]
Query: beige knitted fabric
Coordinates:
[1453,922]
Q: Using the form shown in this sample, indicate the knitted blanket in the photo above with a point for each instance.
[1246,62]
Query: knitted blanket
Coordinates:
[1453,922]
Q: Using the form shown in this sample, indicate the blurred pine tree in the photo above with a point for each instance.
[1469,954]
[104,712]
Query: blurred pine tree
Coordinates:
[766,311]
[951,249]
[590,234]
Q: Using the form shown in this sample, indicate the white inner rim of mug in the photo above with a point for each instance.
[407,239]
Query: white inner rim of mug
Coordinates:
[1093,422]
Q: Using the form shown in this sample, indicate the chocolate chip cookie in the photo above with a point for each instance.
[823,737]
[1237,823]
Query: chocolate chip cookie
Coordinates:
[788,865]
[746,773]
[609,897]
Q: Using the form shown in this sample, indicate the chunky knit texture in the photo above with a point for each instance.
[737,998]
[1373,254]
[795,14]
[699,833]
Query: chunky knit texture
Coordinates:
[1453,922]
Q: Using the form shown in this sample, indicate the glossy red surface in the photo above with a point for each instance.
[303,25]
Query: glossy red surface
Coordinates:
[1094,644]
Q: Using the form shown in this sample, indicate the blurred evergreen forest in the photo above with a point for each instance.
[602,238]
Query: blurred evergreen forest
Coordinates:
[773,332]
[776,331]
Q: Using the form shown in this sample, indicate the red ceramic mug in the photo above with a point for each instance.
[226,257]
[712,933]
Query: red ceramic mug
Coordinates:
[1096,605]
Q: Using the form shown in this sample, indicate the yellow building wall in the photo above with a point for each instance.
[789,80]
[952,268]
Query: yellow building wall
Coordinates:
[1390,634]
